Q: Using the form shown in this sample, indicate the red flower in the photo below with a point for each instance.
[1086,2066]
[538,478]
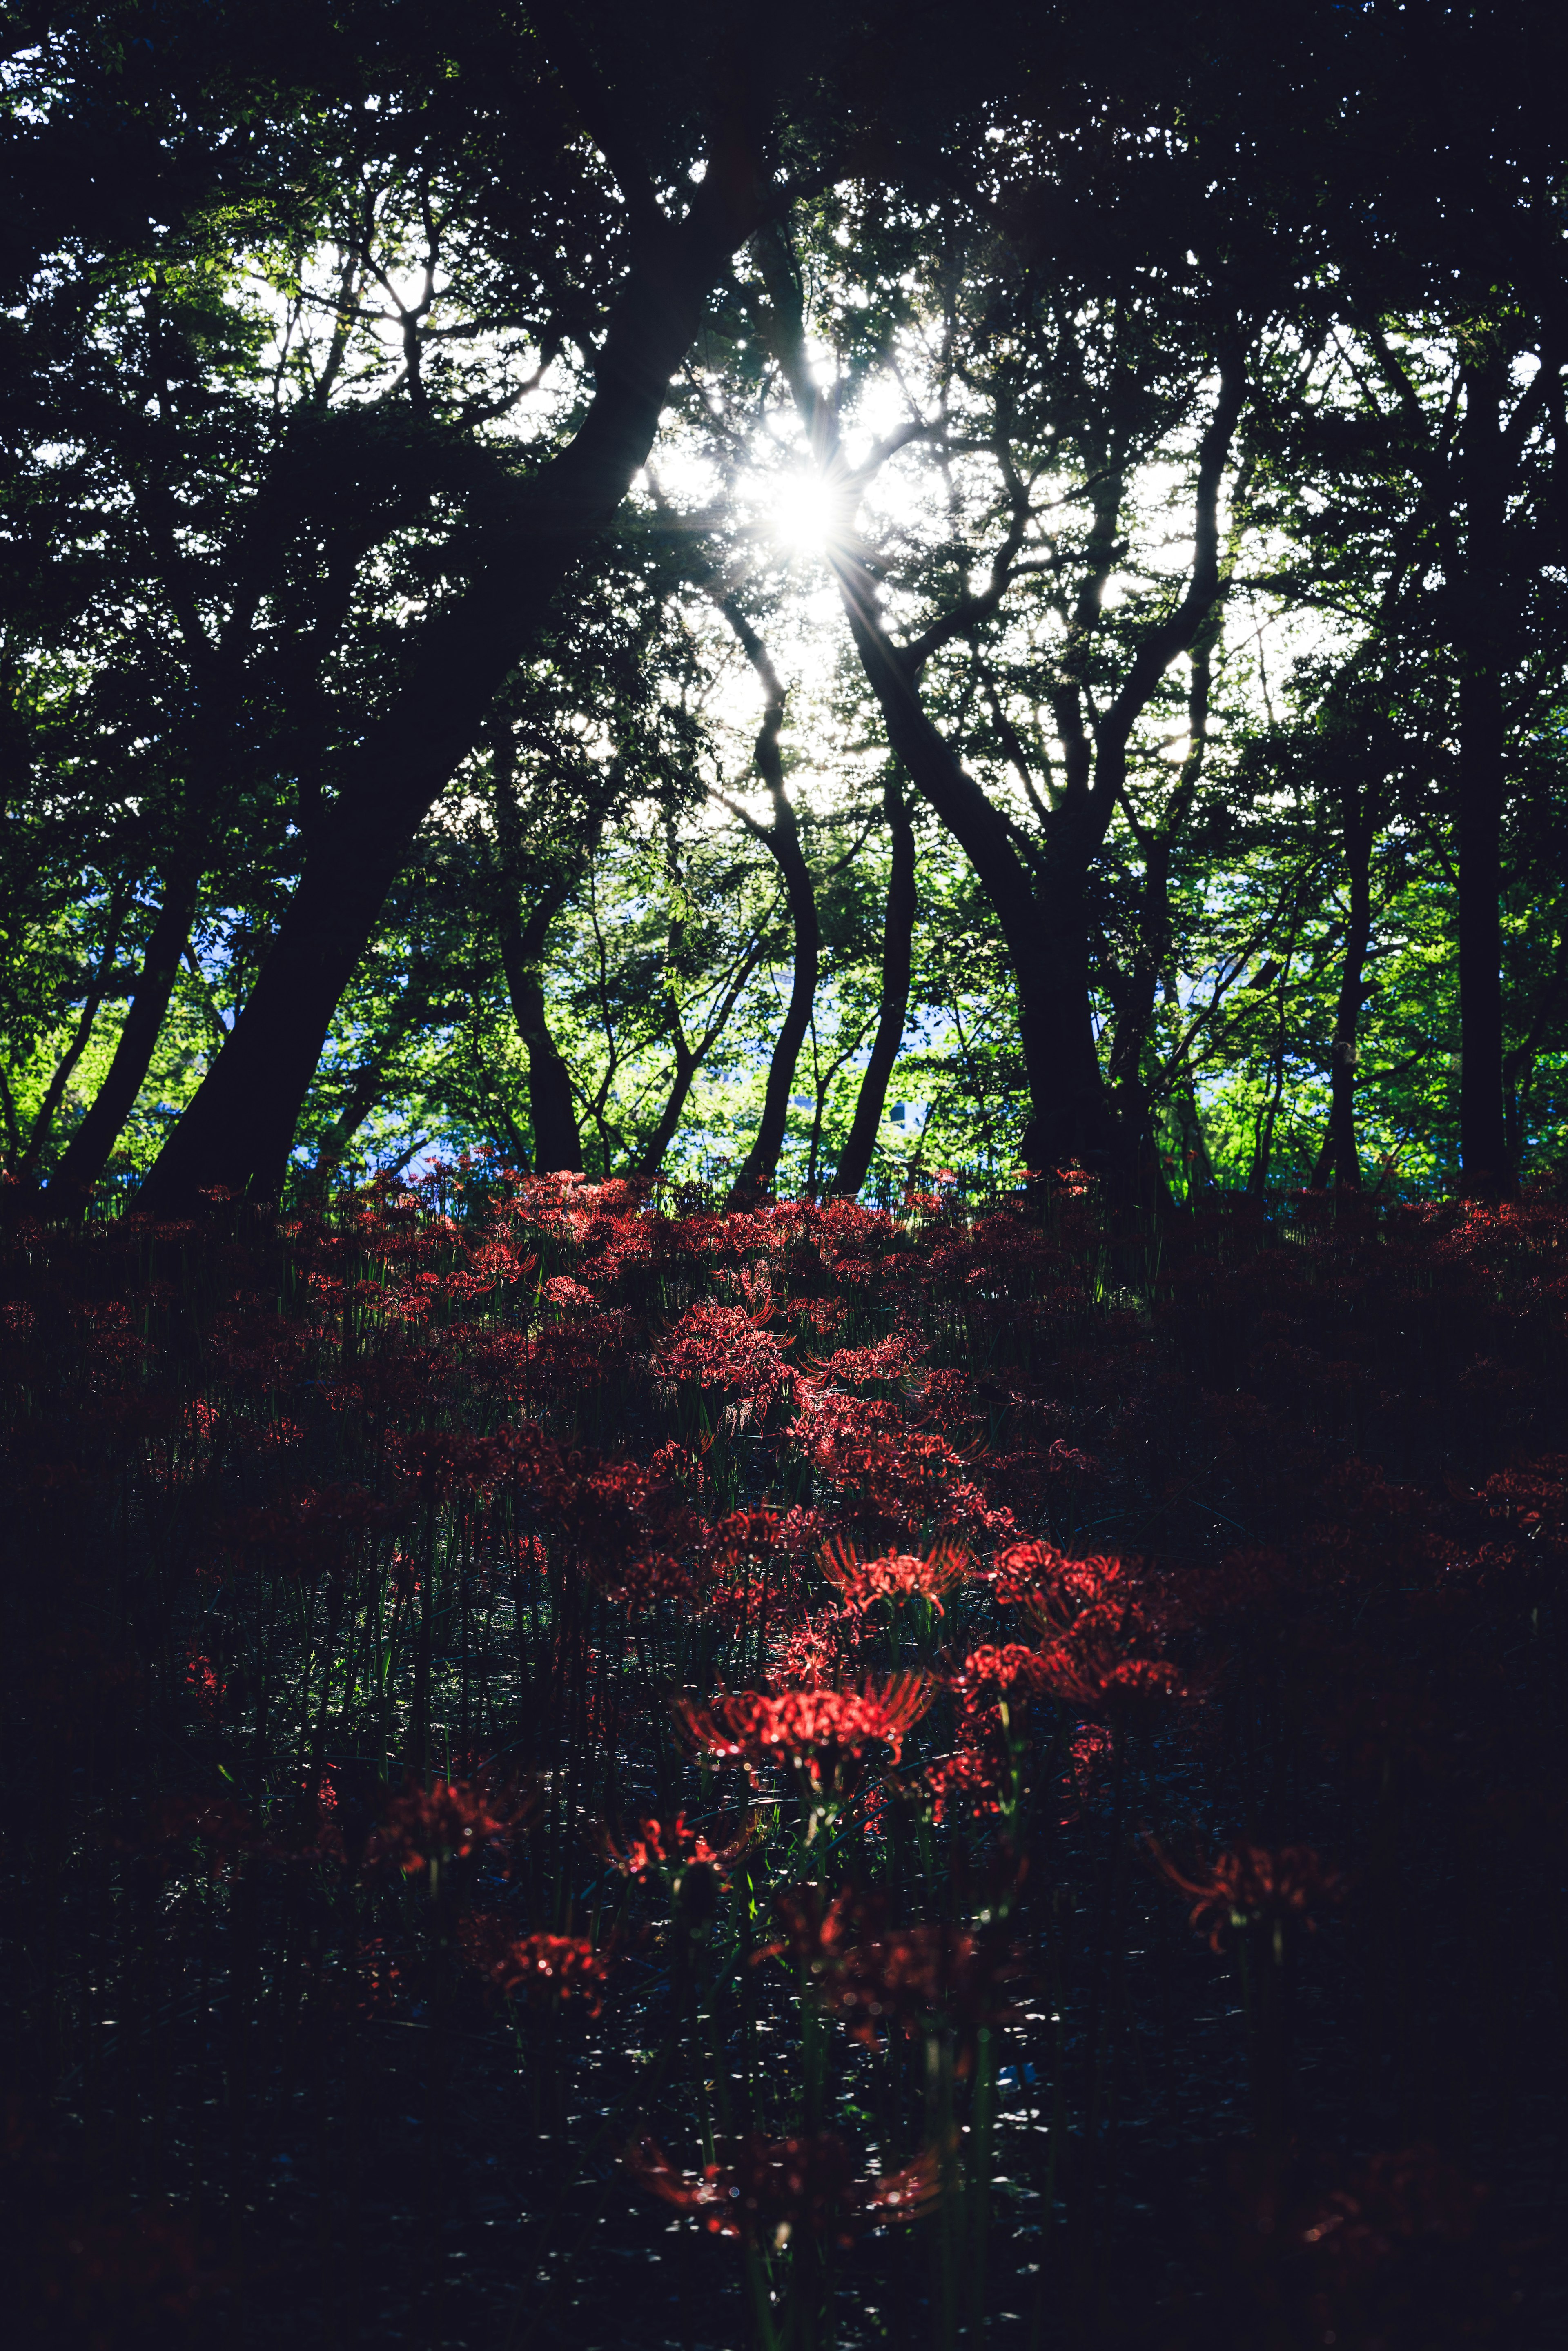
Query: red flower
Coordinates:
[898,1575]
[1089,1669]
[770,2189]
[451,1821]
[1251,1885]
[660,1851]
[804,1728]
[724,1350]
[546,1968]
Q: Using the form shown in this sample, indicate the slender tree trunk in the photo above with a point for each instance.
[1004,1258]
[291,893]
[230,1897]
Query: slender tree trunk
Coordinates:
[368,1079]
[897,957]
[86,1155]
[1347,1012]
[689,1058]
[238,1129]
[1137,1167]
[652,1157]
[37,1141]
[1483,1140]
[782,837]
[558,1146]
[1339,1155]
[1518,1065]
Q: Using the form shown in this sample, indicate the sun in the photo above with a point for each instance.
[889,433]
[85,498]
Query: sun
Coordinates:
[805,511]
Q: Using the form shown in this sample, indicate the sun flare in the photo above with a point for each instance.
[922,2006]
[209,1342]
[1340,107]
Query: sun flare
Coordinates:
[805,511]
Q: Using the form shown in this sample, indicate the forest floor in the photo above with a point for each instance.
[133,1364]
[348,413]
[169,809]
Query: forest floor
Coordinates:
[586,1776]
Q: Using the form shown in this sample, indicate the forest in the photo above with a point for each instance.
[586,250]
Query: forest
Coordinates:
[784,1173]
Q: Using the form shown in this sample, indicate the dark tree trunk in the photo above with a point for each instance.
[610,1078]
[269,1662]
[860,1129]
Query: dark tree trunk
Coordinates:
[1136,1172]
[1340,1154]
[368,1084]
[1044,921]
[558,1146]
[239,1128]
[86,1155]
[689,1058]
[54,1094]
[782,837]
[1519,1064]
[1483,1140]
[897,955]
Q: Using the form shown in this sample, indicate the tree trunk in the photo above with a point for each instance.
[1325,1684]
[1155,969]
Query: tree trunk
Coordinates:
[558,1146]
[366,1088]
[690,1058]
[1483,1142]
[239,1128]
[1340,1154]
[782,837]
[1519,1064]
[1347,1013]
[54,1094]
[86,1155]
[897,955]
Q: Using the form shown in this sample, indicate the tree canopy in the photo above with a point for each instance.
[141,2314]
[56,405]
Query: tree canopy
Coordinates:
[770,602]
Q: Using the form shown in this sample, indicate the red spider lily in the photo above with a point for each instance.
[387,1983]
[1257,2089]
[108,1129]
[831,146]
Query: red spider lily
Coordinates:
[825,1645]
[202,1682]
[1088,1668]
[896,1576]
[1052,1587]
[1088,1756]
[771,2190]
[1252,1886]
[818,1735]
[912,1977]
[989,1675]
[886,1361]
[744,1538]
[971,1776]
[804,1728]
[660,1851]
[449,1821]
[993,1689]
[723,1350]
[546,1968]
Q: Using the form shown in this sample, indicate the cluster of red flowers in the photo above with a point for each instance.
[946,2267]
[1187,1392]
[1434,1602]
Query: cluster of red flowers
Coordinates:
[808,1731]
[506,1466]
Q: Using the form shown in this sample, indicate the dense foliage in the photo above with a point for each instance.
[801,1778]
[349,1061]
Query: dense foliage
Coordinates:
[783,604]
